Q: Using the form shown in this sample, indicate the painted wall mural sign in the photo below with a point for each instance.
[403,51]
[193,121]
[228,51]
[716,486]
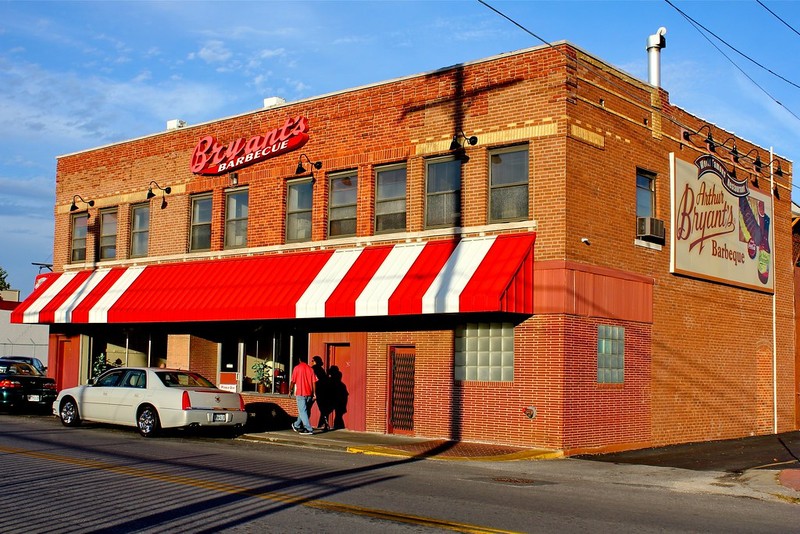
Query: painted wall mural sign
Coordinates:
[720,227]
[211,157]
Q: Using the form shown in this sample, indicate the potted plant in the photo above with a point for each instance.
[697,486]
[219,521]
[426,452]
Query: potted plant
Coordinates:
[262,373]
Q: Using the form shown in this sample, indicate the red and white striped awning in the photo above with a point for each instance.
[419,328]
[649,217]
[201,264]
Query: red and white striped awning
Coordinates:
[485,274]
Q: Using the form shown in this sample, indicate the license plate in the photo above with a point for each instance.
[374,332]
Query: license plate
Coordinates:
[219,417]
[34,398]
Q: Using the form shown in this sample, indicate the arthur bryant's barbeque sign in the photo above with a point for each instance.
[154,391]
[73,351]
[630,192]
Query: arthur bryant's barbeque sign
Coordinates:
[720,227]
[211,157]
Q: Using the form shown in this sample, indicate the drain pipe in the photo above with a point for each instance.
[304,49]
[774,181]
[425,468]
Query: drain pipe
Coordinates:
[654,45]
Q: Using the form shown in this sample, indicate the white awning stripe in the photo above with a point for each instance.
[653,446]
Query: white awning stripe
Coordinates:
[64,312]
[443,294]
[312,303]
[99,312]
[374,299]
[31,315]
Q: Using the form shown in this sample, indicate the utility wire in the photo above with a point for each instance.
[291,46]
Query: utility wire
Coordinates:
[604,76]
[777,17]
[720,39]
[697,27]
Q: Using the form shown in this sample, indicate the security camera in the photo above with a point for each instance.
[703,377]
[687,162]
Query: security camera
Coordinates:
[585,241]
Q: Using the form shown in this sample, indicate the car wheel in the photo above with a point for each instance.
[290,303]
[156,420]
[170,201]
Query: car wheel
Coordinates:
[147,421]
[69,412]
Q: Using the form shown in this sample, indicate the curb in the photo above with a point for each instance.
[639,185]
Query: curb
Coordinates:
[399,453]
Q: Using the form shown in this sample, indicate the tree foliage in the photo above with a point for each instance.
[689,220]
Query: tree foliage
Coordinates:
[3,282]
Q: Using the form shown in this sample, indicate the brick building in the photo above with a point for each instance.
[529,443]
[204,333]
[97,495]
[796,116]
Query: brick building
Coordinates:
[532,249]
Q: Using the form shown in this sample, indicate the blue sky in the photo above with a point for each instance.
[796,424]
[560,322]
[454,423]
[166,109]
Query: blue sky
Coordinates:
[76,75]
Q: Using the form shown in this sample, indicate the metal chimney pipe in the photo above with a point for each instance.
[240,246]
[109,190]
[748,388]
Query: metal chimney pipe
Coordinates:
[654,45]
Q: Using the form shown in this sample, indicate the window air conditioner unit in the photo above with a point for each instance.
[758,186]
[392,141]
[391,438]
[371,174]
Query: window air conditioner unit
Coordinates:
[650,229]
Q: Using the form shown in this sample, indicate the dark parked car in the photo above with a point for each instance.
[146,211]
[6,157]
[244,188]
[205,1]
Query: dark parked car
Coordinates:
[23,387]
[36,362]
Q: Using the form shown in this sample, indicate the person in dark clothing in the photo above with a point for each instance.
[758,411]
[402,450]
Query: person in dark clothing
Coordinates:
[337,396]
[323,396]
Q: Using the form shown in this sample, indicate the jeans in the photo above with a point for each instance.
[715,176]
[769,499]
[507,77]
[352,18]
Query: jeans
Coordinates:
[304,405]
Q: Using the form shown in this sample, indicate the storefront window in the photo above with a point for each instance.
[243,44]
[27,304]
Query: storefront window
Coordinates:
[266,361]
[443,206]
[236,215]
[108,235]
[140,230]
[342,208]
[508,184]
[299,197]
[390,199]
[484,352]
[80,224]
[200,234]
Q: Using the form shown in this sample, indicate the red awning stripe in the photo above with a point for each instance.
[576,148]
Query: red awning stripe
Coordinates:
[481,274]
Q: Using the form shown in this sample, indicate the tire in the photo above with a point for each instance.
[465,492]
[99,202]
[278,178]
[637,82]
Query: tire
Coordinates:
[68,412]
[147,421]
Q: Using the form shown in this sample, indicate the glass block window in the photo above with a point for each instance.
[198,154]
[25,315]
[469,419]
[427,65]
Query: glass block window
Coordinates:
[140,230]
[299,197]
[236,215]
[108,235]
[645,194]
[80,225]
[443,193]
[342,207]
[508,184]
[610,354]
[200,233]
[390,199]
[484,352]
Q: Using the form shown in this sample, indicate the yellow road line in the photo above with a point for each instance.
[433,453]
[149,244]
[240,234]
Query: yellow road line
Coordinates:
[283,498]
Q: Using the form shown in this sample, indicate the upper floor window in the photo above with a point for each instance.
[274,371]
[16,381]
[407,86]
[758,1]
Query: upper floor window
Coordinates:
[390,199]
[200,232]
[140,230]
[80,226]
[342,204]
[508,184]
[236,215]
[108,235]
[610,354]
[299,197]
[443,192]
[645,194]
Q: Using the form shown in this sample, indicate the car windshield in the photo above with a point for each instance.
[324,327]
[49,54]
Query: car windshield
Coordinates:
[183,379]
[17,368]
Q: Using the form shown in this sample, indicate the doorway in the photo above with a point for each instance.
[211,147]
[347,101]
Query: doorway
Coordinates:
[402,367]
[344,355]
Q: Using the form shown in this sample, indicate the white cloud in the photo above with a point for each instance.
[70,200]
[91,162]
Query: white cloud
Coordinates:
[214,52]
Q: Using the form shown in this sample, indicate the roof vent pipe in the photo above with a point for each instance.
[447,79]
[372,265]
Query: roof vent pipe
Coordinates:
[654,45]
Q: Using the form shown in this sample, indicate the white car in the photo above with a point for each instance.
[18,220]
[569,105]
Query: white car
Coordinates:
[150,399]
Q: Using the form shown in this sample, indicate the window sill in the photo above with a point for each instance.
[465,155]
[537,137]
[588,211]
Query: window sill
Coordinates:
[647,244]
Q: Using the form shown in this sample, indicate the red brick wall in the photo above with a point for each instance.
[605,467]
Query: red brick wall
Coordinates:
[700,364]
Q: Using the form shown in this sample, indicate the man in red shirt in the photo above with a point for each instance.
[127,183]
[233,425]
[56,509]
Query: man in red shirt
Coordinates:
[303,384]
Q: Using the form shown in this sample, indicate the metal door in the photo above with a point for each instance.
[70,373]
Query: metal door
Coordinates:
[401,389]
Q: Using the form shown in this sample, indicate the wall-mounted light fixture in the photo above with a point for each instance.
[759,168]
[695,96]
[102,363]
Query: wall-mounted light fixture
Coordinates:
[233,178]
[314,165]
[455,145]
[734,152]
[150,194]
[710,143]
[165,191]
[74,206]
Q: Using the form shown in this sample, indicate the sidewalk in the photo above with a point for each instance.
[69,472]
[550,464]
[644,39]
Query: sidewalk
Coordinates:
[769,463]
[402,446]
